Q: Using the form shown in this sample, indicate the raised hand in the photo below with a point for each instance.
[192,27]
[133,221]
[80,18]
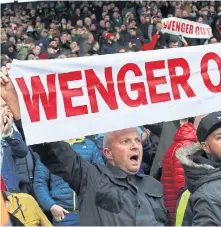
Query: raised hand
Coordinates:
[8,92]
[7,124]
[7,87]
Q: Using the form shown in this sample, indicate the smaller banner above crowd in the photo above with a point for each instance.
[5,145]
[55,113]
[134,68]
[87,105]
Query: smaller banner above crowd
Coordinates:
[186,28]
[67,98]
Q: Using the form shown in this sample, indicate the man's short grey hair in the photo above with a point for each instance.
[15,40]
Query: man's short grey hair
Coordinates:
[107,140]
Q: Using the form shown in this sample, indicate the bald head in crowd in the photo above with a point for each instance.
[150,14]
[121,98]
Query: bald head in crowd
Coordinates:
[123,149]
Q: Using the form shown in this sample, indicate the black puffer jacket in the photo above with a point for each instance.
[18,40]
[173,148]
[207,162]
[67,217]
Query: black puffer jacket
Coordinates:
[203,180]
[25,169]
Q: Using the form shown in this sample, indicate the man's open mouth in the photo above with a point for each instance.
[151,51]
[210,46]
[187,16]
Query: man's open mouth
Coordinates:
[134,158]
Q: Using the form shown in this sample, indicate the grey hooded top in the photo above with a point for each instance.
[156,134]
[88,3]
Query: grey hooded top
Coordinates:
[203,180]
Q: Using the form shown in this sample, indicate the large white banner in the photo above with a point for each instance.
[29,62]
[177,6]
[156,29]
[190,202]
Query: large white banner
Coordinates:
[67,98]
[186,28]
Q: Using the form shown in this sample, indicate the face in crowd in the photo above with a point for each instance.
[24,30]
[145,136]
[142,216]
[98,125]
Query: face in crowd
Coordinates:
[124,150]
[200,20]
[173,44]
[213,40]
[31,57]
[37,50]
[212,145]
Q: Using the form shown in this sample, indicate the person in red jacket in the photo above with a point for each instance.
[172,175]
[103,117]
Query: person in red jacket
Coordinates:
[173,178]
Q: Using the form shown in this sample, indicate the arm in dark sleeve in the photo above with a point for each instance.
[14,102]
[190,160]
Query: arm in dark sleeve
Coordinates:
[41,183]
[155,128]
[62,161]
[213,24]
[19,127]
[18,146]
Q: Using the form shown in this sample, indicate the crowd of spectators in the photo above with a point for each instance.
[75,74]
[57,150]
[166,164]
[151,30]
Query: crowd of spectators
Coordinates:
[60,29]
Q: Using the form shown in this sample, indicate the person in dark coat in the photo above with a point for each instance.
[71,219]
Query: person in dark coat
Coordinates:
[202,166]
[135,42]
[10,50]
[112,191]
[109,47]
[144,25]
[216,27]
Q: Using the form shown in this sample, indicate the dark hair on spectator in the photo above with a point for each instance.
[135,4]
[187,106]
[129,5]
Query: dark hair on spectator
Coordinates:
[173,39]
[210,39]
[14,37]
[191,120]
[199,17]
[85,28]
[63,33]
[29,55]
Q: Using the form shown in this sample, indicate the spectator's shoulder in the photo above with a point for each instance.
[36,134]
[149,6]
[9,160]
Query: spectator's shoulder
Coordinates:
[23,196]
[89,141]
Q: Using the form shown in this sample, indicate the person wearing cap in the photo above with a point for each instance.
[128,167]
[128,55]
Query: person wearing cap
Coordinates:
[202,166]
[109,46]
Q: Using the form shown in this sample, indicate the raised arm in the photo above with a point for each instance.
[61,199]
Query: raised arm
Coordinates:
[62,161]
[41,186]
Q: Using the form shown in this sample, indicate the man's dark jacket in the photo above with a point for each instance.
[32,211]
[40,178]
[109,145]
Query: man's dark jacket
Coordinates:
[203,180]
[107,195]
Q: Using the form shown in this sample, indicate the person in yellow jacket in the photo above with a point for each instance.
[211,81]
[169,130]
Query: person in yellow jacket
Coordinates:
[26,209]
[4,214]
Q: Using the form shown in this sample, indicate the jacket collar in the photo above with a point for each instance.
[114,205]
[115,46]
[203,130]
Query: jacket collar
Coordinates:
[118,173]
[185,156]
